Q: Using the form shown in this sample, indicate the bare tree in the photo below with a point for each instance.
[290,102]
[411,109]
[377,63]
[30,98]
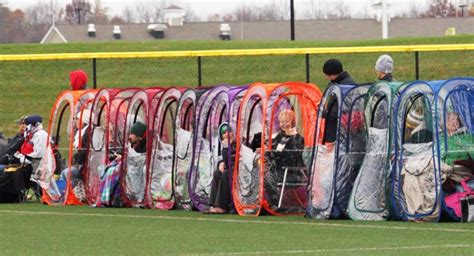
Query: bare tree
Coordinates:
[38,18]
[340,11]
[99,13]
[314,10]
[440,9]
[128,15]
[275,10]
[117,20]
[13,25]
[143,14]
[190,15]
[78,11]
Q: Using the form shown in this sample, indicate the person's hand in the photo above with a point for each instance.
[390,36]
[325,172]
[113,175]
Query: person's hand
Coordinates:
[221,167]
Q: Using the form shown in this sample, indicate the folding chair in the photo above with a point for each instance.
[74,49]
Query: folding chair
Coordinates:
[302,177]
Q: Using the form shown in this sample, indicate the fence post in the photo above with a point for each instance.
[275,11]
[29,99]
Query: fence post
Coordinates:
[307,68]
[94,72]
[199,71]
[417,65]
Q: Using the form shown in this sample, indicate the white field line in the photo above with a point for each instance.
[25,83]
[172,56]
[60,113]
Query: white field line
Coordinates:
[325,251]
[244,221]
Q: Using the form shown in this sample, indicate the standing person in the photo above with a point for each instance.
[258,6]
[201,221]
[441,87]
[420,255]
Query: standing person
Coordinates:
[384,68]
[78,80]
[220,199]
[334,72]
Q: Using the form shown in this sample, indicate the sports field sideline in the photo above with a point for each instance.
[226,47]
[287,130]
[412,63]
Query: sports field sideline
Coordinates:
[35,229]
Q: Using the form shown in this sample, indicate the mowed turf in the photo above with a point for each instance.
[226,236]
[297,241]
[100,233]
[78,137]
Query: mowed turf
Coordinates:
[34,229]
[29,87]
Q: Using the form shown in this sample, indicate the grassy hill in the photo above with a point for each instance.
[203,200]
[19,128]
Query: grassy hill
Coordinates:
[114,46]
[31,86]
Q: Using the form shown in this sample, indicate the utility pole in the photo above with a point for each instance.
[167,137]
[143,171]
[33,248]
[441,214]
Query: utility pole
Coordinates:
[292,19]
[78,8]
[242,23]
[384,20]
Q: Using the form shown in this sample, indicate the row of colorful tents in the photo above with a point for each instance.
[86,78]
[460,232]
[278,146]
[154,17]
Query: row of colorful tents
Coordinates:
[361,157]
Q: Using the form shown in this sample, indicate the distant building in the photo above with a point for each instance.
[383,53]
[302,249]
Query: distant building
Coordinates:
[269,30]
[174,16]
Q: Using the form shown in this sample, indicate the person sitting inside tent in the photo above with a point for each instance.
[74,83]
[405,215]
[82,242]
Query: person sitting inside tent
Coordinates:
[78,80]
[384,68]
[137,137]
[286,154]
[16,179]
[460,143]
[220,199]
[14,144]
[109,187]
[81,139]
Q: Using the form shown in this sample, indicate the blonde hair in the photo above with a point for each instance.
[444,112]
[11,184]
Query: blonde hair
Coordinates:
[288,114]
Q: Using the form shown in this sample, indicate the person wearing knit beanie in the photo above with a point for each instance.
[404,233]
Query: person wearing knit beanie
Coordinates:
[384,68]
[334,72]
[137,137]
[78,80]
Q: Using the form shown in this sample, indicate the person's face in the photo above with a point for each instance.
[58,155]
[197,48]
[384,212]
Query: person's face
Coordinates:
[380,75]
[227,136]
[452,123]
[77,123]
[330,77]
[22,126]
[133,139]
[285,123]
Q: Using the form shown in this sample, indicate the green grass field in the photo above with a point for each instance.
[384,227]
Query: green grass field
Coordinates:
[34,229]
[29,87]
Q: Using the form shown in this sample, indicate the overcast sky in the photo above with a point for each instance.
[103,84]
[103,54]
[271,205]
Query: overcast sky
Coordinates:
[205,7]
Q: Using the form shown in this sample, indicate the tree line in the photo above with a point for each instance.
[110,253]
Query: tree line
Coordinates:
[31,24]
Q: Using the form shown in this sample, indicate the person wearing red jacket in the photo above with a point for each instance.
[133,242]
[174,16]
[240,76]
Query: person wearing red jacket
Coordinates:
[78,80]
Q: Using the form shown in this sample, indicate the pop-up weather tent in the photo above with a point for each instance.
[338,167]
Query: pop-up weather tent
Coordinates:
[184,144]
[215,106]
[340,147]
[368,199]
[434,146]
[133,168]
[275,136]
[66,126]
[160,172]
[107,137]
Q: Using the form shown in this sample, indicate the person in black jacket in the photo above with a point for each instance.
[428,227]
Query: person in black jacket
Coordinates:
[334,72]
[287,144]
[220,199]
[7,156]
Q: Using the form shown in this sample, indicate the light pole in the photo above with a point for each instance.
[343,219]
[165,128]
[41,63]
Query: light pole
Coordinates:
[292,20]
[384,20]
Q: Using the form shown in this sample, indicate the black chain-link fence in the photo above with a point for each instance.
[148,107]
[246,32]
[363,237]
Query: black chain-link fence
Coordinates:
[29,87]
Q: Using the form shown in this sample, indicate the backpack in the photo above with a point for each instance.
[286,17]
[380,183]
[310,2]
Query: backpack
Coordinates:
[462,203]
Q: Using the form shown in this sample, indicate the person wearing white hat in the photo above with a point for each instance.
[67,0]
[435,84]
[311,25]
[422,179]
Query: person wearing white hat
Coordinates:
[384,68]
[81,139]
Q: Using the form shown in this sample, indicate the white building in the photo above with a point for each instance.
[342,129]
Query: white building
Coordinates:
[174,16]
